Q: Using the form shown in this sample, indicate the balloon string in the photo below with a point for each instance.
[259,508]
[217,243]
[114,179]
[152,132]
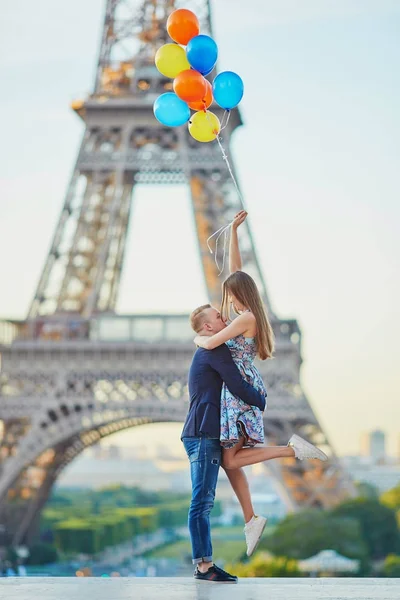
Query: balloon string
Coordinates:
[225,157]
[223,231]
[227,114]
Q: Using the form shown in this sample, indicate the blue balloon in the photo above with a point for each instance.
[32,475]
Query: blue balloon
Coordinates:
[202,53]
[171,110]
[206,72]
[227,89]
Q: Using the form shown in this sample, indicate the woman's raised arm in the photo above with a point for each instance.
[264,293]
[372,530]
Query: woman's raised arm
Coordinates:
[235,259]
[239,326]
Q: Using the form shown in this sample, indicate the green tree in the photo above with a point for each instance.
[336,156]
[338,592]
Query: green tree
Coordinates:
[263,566]
[42,554]
[377,522]
[173,514]
[391,566]
[142,519]
[391,498]
[115,529]
[367,490]
[88,520]
[60,499]
[78,535]
[301,535]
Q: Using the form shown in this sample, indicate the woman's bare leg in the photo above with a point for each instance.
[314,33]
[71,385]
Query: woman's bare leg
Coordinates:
[240,485]
[237,457]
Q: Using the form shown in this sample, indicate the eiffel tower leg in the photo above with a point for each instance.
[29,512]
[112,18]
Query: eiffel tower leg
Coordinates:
[27,526]
[83,268]
[45,300]
[307,483]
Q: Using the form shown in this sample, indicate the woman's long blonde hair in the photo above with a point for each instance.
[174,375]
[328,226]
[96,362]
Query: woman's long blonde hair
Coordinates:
[243,287]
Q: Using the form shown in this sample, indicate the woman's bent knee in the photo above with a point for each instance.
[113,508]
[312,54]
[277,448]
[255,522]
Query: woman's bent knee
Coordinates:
[228,463]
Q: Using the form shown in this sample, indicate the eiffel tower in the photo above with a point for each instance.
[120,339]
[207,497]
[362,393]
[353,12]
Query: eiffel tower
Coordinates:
[75,372]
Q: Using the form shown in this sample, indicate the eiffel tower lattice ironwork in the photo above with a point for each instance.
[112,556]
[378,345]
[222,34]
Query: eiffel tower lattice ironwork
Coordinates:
[74,371]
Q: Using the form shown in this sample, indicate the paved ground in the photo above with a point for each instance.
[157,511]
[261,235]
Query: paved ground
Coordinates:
[188,589]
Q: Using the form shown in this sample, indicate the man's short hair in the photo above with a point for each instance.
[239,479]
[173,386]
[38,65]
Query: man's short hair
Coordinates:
[197,318]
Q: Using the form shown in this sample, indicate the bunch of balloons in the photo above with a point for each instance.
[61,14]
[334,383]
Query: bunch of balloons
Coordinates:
[188,68]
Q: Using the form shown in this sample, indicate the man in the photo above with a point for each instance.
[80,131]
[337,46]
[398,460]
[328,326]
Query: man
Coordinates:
[200,436]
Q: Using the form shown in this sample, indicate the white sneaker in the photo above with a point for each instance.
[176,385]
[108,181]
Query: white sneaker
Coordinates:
[253,532]
[303,449]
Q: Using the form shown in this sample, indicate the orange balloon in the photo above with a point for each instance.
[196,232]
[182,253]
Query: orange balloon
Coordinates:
[204,102]
[190,86]
[182,25]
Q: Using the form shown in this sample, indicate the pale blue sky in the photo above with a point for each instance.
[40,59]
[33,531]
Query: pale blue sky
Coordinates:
[318,161]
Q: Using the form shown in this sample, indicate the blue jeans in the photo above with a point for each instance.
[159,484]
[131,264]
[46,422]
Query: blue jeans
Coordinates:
[205,459]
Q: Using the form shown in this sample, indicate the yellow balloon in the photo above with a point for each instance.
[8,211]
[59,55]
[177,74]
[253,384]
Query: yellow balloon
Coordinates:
[204,126]
[171,60]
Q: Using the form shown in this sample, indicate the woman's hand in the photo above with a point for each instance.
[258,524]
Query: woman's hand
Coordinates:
[201,341]
[240,217]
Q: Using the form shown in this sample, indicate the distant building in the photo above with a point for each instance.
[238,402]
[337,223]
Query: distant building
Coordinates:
[383,477]
[377,446]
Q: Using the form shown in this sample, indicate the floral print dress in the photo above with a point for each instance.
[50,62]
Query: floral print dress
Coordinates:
[237,417]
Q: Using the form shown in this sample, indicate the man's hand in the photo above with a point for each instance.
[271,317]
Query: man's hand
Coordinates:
[240,217]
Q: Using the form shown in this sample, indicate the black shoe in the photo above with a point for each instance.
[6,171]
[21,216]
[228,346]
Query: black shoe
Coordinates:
[215,575]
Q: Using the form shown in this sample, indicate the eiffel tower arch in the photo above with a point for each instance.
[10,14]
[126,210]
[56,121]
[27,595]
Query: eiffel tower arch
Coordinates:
[74,371]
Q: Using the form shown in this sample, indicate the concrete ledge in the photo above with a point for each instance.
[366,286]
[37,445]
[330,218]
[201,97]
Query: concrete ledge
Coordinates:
[146,588]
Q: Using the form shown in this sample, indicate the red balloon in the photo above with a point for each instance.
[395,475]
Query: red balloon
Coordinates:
[205,102]
[190,86]
[182,25]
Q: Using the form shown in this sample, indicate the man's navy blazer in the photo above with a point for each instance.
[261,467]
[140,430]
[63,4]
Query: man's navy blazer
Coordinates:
[208,370]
